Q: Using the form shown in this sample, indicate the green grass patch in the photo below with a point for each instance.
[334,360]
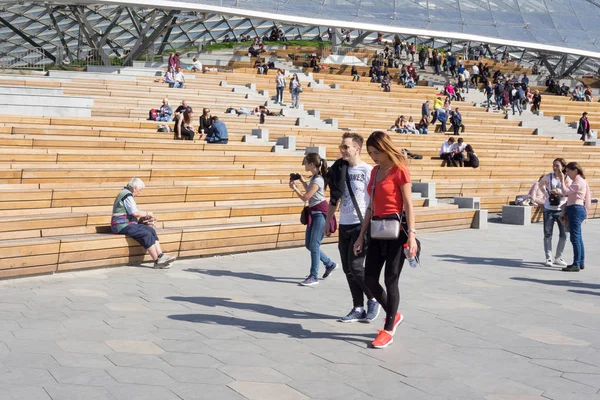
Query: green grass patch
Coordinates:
[305,43]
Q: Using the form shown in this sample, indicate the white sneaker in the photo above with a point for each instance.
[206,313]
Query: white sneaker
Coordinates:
[549,262]
[560,262]
[164,262]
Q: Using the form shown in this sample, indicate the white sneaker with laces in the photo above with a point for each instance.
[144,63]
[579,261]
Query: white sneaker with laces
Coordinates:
[549,262]
[560,262]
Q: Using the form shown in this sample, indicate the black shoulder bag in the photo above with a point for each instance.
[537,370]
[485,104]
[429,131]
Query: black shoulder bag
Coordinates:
[553,198]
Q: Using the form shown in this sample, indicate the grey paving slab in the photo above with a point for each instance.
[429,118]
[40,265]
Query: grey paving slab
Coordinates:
[134,346]
[254,374]
[189,391]
[81,376]
[329,390]
[267,391]
[78,392]
[137,360]
[28,360]
[592,380]
[484,319]
[141,392]
[84,346]
[32,346]
[196,360]
[82,360]
[25,376]
[141,376]
[19,392]
[198,375]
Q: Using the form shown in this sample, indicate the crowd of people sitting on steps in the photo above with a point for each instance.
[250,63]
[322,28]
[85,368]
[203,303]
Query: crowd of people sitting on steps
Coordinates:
[581,92]
[441,112]
[457,153]
[210,128]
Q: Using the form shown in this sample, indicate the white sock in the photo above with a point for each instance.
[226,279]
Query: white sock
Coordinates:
[359,309]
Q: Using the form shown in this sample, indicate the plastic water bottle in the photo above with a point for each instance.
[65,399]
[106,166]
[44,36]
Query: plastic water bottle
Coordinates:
[412,261]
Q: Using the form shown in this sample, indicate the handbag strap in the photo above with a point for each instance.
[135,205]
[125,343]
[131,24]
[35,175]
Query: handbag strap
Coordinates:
[354,202]
[373,187]
[400,214]
[550,179]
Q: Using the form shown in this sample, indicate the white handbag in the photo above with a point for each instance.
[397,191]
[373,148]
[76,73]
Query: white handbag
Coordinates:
[385,229]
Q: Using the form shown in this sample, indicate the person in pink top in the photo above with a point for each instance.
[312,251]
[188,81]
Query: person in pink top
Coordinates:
[578,205]
[450,91]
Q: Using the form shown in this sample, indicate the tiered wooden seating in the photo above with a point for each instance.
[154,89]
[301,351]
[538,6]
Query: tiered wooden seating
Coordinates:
[59,176]
[553,105]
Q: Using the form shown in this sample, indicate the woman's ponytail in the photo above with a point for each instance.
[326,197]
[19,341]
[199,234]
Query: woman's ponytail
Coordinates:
[323,169]
[320,163]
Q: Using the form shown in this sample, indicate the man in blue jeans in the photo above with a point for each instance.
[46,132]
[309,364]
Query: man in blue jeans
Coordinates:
[217,132]
[553,206]
[351,171]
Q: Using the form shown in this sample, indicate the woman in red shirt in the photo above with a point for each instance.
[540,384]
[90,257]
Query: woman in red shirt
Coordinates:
[392,196]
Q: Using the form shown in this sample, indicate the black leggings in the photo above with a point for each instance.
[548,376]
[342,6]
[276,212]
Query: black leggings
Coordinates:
[391,253]
[352,265]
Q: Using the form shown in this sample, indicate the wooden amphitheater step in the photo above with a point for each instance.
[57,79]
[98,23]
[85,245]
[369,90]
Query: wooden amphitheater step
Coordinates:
[70,252]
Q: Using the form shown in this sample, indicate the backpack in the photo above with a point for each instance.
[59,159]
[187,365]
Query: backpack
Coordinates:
[153,114]
[413,156]
[163,128]
[461,77]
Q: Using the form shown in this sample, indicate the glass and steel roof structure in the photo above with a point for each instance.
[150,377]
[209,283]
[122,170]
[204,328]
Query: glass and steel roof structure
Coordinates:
[567,23]
[558,33]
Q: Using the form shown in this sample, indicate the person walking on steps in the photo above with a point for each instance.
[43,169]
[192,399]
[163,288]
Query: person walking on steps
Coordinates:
[348,180]
[314,194]
[295,90]
[551,184]
[391,192]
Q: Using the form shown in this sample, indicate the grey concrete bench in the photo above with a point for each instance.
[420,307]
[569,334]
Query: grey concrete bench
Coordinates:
[516,215]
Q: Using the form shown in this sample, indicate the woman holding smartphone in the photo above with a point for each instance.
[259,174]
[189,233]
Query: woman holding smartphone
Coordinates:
[391,196]
[314,194]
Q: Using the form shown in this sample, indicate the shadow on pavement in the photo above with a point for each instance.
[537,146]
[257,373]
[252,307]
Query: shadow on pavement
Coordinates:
[585,292]
[493,262]
[257,307]
[569,283]
[292,329]
[246,275]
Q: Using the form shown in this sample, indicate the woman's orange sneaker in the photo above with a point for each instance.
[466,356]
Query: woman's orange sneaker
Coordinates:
[383,339]
[399,318]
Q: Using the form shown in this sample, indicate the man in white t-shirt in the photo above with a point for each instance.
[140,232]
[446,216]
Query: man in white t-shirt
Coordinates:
[351,169]
[196,65]
[179,79]
[446,152]
[457,150]
[475,75]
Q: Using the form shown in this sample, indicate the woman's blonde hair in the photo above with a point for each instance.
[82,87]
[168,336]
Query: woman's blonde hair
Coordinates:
[382,142]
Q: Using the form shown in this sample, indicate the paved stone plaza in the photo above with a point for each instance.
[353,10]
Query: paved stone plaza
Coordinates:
[484,319]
